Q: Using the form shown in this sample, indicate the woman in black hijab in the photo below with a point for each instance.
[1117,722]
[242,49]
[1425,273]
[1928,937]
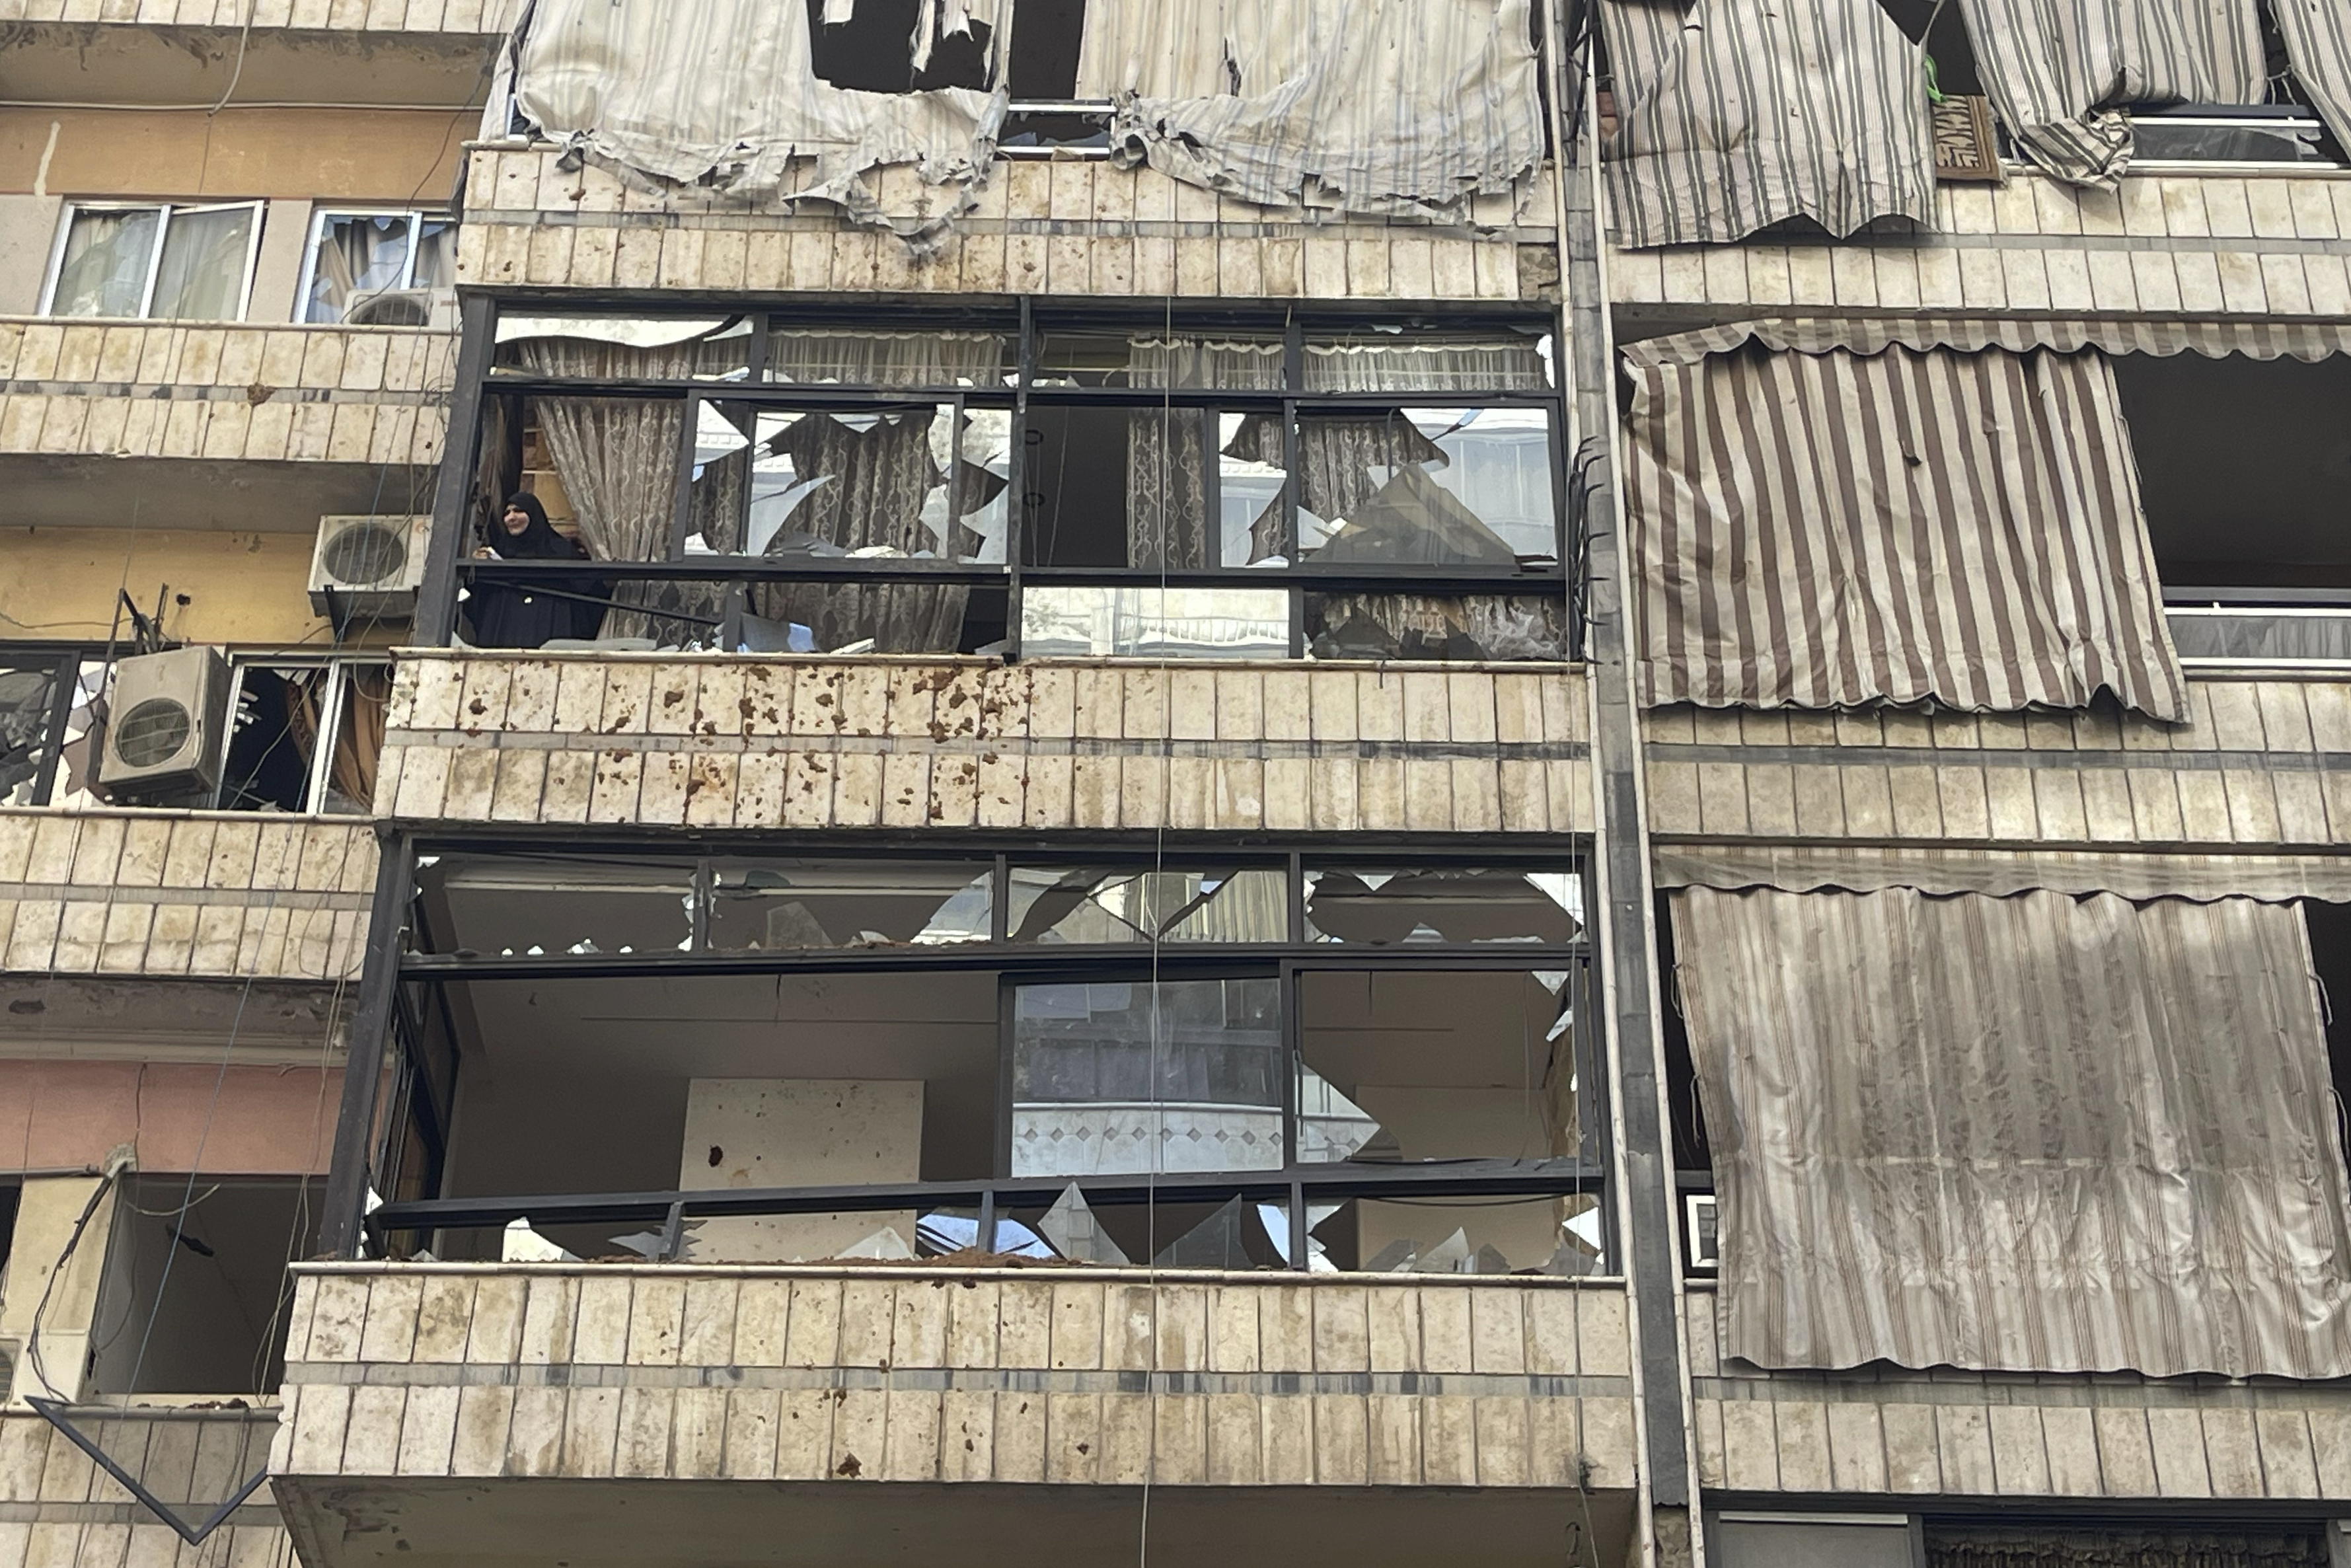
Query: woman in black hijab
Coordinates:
[522,614]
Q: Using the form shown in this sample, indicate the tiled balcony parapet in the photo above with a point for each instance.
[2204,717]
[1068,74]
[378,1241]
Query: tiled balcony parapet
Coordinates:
[942,743]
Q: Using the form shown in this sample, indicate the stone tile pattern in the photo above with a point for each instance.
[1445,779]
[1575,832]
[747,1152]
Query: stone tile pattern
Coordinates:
[59,1509]
[918,743]
[1070,226]
[472,16]
[811,1373]
[214,894]
[2263,763]
[1957,1433]
[2162,244]
[151,389]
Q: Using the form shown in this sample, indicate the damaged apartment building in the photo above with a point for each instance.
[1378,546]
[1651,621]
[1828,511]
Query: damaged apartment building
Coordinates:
[825,781]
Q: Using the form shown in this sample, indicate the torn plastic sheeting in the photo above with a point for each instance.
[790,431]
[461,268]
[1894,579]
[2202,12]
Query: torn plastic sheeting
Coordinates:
[630,332]
[722,93]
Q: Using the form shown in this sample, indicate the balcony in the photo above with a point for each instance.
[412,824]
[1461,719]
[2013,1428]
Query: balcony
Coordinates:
[2168,244]
[446,1409]
[248,428]
[879,744]
[2260,766]
[1074,226]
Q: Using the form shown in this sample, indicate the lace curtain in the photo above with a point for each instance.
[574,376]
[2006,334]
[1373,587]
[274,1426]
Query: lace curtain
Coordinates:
[1167,522]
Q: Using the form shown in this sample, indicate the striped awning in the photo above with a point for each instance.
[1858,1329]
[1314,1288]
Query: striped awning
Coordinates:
[1873,868]
[1831,529]
[2317,35]
[1735,114]
[2307,340]
[2057,70]
[2038,1133]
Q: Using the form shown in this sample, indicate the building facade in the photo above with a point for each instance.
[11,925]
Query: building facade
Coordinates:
[779,782]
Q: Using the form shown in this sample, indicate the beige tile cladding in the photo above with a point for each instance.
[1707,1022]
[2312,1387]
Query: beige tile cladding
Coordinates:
[144,389]
[365,16]
[1137,233]
[2162,244]
[57,1510]
[1988,1435]
[924,1375]
[161,893]
[814,743]
[2260,762]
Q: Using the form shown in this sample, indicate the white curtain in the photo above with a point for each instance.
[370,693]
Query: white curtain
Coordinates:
[723,91]
[1399,107]
[2035,1133]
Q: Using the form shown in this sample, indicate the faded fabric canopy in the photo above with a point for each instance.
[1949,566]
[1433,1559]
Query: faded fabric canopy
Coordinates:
[1401,108]
[723,91]
[2058,71]
[1737,114]
[1835,528]
[2037,1134]
[2317,35]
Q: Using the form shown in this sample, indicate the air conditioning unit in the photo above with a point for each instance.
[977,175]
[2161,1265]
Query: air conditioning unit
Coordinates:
[167,725]
[401,308]
[1700,1238]
[373,565]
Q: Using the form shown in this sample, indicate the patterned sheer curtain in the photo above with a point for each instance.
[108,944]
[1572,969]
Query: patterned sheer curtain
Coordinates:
[1167,522]
[356,251]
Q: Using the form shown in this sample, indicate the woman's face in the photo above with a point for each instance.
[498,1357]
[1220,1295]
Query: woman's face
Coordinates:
[517,520]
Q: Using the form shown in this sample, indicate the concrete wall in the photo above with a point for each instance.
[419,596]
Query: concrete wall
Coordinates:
[179,893]
[963,1376]
[1068,226]
[787,1132]
[339,154]
[2261,763]
[244,588]
[28,229]
[910,743]
[2162,244]
[175,1116]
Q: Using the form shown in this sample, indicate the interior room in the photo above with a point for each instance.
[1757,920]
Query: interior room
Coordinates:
[196,1294]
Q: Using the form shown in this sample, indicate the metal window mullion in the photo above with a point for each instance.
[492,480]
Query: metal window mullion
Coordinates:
[228,728]
[682,491]
[755,358]
[66,687]
[154,260]
[1007,995]
[1015,491]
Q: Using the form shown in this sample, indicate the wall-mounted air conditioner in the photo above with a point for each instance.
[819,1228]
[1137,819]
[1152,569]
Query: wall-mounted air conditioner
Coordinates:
[372,565]
[1699,1238]
[401,308]
[167,725]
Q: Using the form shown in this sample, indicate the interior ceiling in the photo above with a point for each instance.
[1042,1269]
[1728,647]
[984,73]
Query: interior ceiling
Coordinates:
[551,1524]
[199,494]
[2244,465]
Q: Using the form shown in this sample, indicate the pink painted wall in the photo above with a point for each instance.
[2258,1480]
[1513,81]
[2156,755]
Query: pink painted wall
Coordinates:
[267,1121]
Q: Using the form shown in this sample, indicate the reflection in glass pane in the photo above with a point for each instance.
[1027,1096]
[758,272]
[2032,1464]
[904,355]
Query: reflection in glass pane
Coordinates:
[1124,1079]
[781,905]
[1413,1066]
[1089,905]
[1383,908]
[519,907]
[1372,362]
[356,251]
[104,270]
[871,618]
[885,359]
[1153,622]
[27,699]
[436,254]
[1462,627]
[201,276]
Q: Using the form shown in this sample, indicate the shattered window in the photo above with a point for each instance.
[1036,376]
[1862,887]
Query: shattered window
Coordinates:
[898,46]
[1458,487]
[781,904]
[1422,1068]
[519,907]
[1184,1076]
[1381,908]
[1089,905]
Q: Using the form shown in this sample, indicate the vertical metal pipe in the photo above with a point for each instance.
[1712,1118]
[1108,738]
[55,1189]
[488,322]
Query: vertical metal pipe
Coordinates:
[347,1179]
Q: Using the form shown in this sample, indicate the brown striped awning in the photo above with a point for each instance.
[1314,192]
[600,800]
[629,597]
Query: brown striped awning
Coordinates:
[2036,1133]
[1931,869]
[2058,71]
[1733,115]
[1834,529]
[2307,340]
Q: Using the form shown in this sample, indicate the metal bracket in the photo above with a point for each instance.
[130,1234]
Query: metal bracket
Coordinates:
[57,1414]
